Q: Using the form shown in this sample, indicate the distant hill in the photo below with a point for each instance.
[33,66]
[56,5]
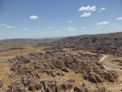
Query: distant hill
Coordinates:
[110,43]
[20,43]
[101,43]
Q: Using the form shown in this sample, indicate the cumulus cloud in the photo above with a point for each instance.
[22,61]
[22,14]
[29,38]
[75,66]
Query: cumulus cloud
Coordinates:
[86,14]
[102,23]
[87,10]
[119,18]
[34,17]
[102,9]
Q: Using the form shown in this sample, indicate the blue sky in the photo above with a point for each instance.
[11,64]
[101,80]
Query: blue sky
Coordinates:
[58,18]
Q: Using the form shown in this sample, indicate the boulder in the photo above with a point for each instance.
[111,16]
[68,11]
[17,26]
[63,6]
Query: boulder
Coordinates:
[34,87]
[111,76]
[95,78]
[50,86]
[82,89]
[100,89]
[1,83]
[14,89]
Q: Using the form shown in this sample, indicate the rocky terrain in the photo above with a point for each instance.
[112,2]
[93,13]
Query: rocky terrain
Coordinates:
[101,43]
[89,63]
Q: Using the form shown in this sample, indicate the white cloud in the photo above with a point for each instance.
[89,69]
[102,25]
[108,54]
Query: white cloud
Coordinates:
[6,26]
[86,14]
[119,18]
[88,8]
[10,27]
[71,29]
[34,17]
[102,9]
[102,23]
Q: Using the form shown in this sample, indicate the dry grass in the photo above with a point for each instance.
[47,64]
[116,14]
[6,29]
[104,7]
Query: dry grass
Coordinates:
[61,79]
[5,66]
[5,74]
[5,70]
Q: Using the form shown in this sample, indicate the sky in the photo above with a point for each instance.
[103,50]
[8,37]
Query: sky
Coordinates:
[58,18]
